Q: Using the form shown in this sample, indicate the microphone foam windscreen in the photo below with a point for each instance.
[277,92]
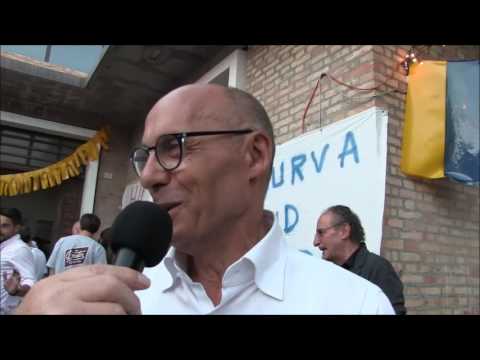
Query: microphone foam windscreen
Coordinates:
[146,229]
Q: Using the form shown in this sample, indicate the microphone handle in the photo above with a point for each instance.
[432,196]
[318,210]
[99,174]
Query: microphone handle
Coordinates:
[129,258]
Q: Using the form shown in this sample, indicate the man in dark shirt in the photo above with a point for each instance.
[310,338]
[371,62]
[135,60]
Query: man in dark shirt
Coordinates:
[341,238]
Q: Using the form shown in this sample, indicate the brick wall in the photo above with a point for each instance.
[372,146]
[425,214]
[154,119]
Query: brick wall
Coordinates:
[283,78]
[114,162]
[431,228]
[135,140]
[69,196]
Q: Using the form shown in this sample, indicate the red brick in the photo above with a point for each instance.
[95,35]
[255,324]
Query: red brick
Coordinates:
[395,223]
[409,204]
[412,279]
[409,256]
[393,244]
[412,235]
[408,214]
[414,302]
[408,194]
[410,245]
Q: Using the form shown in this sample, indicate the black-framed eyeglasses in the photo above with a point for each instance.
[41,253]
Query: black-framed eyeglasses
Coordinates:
[321,232]
[170,148]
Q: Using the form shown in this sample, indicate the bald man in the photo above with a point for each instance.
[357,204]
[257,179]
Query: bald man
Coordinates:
[206,157]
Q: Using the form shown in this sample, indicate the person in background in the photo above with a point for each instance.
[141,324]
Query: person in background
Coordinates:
[106,241]
[17,267]
[38,255]
[78,249]
[341,238]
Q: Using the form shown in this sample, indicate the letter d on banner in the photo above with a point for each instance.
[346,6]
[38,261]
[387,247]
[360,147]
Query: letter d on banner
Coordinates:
[289,226]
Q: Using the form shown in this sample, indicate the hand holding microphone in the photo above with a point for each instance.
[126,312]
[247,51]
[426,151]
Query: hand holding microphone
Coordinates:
[141,236]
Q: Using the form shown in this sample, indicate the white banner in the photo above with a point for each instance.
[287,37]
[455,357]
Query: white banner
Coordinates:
[340,164]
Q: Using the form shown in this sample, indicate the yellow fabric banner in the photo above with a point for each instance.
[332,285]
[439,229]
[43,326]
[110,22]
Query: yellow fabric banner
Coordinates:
[53,175]
[423,146]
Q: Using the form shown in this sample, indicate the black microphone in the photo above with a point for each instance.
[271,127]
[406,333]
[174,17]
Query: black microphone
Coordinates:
[141,235]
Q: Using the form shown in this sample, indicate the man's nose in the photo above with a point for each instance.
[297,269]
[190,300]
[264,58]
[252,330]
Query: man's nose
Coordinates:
[316,240]
[153,174]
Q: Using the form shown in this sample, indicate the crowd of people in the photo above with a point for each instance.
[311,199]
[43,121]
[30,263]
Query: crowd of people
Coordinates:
[23,263]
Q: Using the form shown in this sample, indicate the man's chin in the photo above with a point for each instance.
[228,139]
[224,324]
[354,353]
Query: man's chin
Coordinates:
[183,241]
[179,239]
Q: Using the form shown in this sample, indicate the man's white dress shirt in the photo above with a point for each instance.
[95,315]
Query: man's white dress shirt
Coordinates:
[271,278]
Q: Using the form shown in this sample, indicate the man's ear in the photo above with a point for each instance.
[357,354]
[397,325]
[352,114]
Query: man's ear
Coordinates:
[346,231]
[259,154]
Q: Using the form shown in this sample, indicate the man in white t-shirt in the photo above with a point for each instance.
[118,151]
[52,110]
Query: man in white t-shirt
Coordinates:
[39,257]
[78,249]
[16,262]
[40,261]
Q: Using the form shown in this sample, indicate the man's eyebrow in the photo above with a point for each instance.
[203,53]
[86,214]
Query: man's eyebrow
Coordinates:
[145,143]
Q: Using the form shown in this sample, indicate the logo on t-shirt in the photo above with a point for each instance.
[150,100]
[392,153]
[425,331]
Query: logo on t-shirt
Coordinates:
[75,256]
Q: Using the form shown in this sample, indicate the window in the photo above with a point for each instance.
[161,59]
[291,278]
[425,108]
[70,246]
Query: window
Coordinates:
[74,133]
[231,71]
[83,58]
[25,150]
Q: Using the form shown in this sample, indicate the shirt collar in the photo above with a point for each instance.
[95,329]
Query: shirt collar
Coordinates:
[10,241]
[351,260]
[175,263]
[268,257]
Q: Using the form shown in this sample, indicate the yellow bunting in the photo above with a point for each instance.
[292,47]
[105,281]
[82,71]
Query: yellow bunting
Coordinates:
[27,184]
[51,178]
[19,183]
[63,171]
[76,161]
[36,183]
[44,181]
[82,156]
[13,188]
[76,170]
[71,173]
[53,175]
[56,176]
[93,152]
